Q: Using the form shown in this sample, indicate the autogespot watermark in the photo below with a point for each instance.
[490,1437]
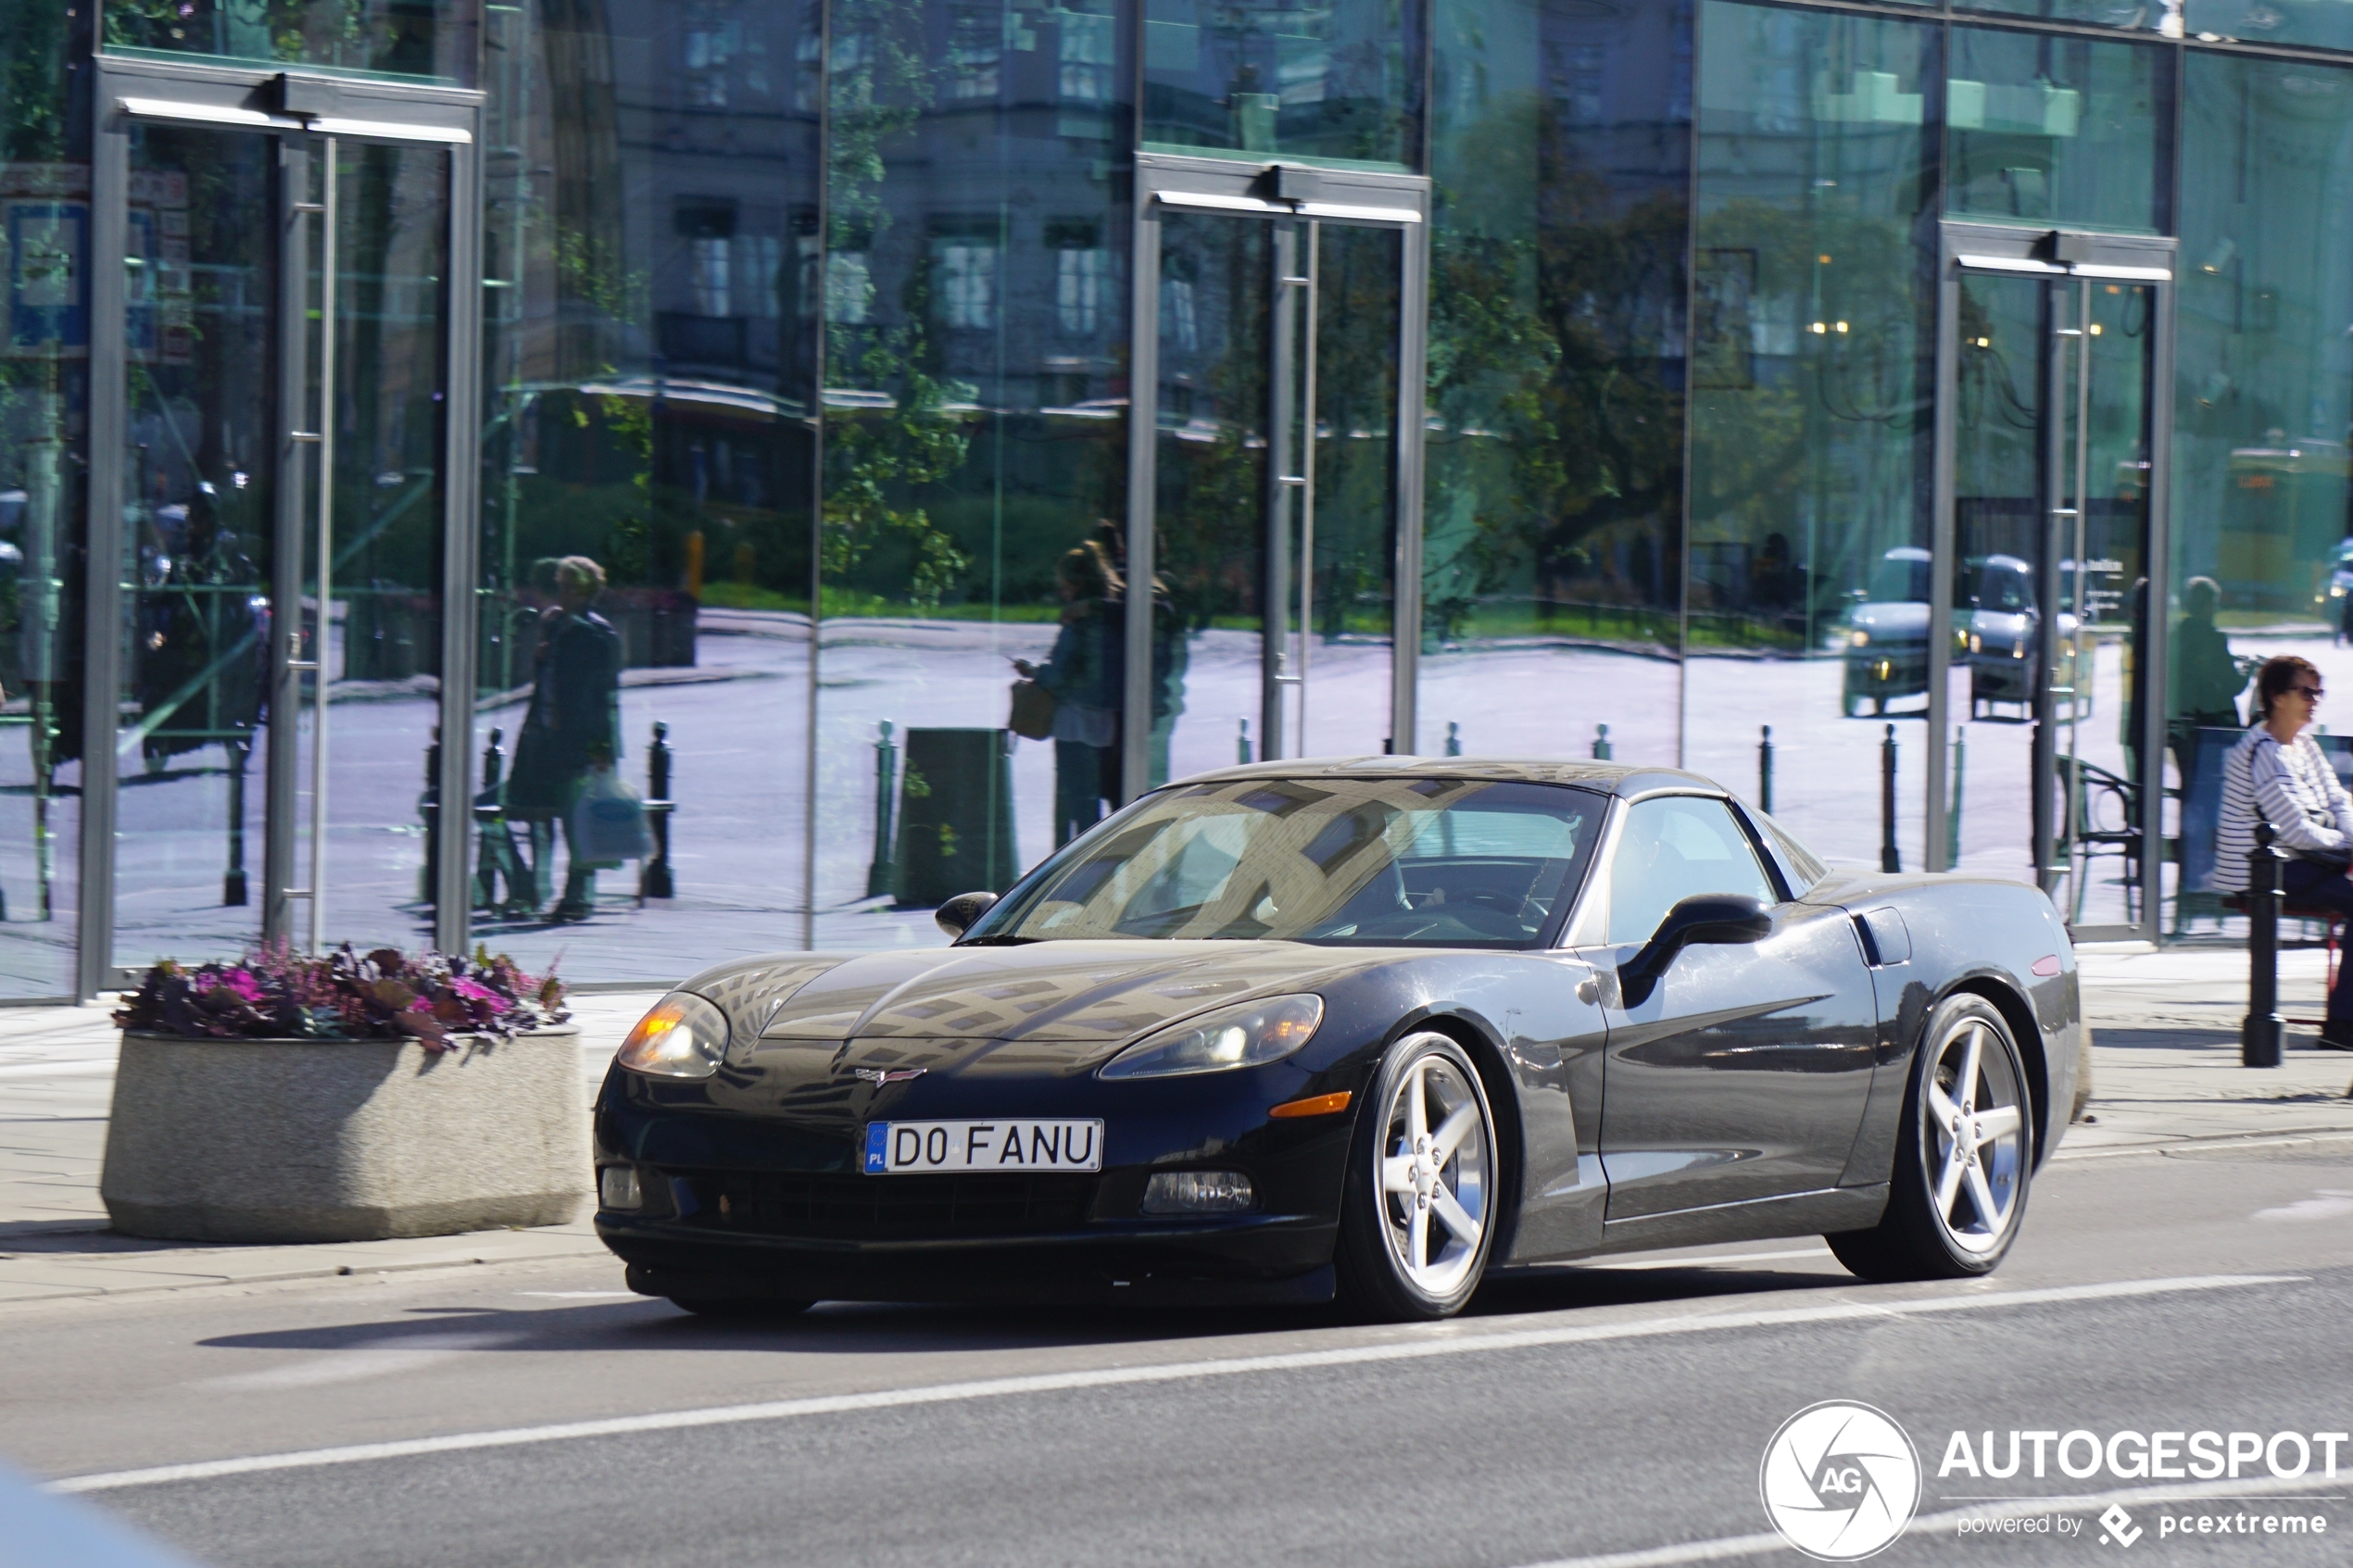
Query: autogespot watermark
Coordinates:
[1842,1481]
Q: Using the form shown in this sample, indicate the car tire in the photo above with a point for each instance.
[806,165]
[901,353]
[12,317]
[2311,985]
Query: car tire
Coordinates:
[740,1309]
[1424,1167]
[1950,1218]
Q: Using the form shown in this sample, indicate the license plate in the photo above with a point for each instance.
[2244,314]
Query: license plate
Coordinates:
[909,1149]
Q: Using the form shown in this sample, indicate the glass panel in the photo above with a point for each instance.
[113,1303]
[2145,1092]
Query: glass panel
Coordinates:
[433,39]
[975,460]
[2000,511]
[383,641]
[1674,848]
[2263,393]
[1551,557]
[200,477]
[2093,13]
[44,357]
[1351,613]
[649,355]
[1813,365]
[2051,130]
[1216,277]
[1337,83]
[2322,24]
[2104,598]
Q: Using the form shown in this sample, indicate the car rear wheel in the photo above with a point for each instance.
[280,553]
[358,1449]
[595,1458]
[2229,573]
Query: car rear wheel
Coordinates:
[1418,1217]
[1964,1158]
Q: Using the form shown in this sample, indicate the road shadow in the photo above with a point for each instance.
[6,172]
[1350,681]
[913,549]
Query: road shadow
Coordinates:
[857,1328]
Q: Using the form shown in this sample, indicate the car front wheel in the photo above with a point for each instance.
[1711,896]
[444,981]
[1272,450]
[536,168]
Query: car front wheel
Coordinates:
[1963,1158]
[1418,1217]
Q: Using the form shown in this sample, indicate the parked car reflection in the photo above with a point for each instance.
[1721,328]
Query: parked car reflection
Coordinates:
[2005,636]
[1887,632]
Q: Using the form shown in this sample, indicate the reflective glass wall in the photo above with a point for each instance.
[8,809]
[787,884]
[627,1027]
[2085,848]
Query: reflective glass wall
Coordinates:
[45,364]
[1553,549]
[2261,563]
[648,443]
[1813,364]
[974,303]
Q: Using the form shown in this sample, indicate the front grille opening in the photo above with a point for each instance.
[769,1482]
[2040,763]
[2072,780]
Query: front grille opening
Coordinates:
[856,1208]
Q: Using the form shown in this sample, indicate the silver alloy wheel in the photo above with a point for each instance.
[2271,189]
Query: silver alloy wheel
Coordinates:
[1435,1157]
[1977,1154]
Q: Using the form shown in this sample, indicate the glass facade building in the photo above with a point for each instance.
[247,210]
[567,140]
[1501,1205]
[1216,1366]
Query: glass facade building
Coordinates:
[421,422]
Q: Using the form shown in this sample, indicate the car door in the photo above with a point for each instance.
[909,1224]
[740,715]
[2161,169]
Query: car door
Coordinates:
[1742,1072]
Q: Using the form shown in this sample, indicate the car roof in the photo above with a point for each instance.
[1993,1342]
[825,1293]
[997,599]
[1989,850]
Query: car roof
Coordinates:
[1629,779]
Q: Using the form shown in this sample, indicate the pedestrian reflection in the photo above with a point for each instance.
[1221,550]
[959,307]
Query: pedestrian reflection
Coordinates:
[574,724]
[1086,674]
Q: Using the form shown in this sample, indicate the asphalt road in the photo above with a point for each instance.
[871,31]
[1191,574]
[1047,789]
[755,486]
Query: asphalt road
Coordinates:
[1595,1410]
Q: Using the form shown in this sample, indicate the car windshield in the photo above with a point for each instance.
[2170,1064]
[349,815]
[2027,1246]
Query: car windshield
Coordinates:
[1901,577]
[2005,586]
[1439,862]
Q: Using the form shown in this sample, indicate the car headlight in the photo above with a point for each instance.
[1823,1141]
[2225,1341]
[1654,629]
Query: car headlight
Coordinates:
[1250,1035]
[1860,637]
[684,1037]
[1976,643]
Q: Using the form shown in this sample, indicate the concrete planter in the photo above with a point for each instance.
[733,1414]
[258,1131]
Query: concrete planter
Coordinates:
[344,1140]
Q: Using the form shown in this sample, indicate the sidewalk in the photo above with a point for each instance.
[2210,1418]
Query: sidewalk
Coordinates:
[2166,1072]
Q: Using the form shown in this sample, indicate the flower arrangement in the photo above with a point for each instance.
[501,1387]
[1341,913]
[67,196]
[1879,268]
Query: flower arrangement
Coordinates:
[276,993]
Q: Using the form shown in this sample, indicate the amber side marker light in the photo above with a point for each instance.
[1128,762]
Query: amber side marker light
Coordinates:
[1317,1105]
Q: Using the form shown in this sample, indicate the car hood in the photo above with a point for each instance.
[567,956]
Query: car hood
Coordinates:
[1072,1002]
[1894,618]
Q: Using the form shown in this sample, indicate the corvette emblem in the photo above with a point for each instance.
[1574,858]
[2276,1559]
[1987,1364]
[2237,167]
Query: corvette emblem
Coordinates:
[877,1075]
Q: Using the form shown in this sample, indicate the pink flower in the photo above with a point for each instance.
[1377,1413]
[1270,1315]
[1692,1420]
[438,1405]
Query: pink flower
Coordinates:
[243,983]
[475,991]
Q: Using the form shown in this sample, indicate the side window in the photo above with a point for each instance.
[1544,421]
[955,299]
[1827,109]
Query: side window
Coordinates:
[1674,846]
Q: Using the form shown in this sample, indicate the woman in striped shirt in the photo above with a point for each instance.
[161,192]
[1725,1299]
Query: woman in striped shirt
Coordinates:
[2278,775]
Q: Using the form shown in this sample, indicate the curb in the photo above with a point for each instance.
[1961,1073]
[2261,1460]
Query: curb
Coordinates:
[591,1247]
[2212,1141]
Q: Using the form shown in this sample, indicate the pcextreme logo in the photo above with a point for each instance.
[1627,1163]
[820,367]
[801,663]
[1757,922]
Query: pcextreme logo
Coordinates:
[1840,1480]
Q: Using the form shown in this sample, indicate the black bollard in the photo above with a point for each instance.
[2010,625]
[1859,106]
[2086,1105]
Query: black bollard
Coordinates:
[1453,738]
[1600,743]
[1890,858]
[428,808]
[882,872]
[1765,771]
[2260,1035]
[654,879]
[1241,742]
[233,881]
[496,856]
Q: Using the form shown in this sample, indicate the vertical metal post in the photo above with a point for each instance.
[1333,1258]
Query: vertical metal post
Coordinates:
[1412,434]
[1274,586]
[290,654]
[490,827]
[323,548]
[1143,421]
[1308,283]
[233,880]
[1241,742]
[1453,738]
[1890,858]
[1765,771]
[2260,1034]
[102,601]
[2042,756]
[1602,749]
[1944,546]
[429,808]
[462,521]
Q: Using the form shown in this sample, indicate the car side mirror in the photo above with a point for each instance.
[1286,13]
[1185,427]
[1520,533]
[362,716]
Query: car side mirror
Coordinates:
[956,916]
[1702,919]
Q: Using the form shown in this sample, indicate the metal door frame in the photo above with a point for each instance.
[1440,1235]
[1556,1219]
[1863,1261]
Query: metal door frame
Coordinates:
[287,103]
[1272,189]
[2056,255]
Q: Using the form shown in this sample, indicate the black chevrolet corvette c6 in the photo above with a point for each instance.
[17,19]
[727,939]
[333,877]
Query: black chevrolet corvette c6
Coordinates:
[1378,1027]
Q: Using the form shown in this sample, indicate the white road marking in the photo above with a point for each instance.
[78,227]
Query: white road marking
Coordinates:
[2326,1203]
[1717,1260]
[1452,1339]
[1729,1547]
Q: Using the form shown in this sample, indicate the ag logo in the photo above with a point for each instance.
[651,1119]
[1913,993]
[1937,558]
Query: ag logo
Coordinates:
[1840,1480]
